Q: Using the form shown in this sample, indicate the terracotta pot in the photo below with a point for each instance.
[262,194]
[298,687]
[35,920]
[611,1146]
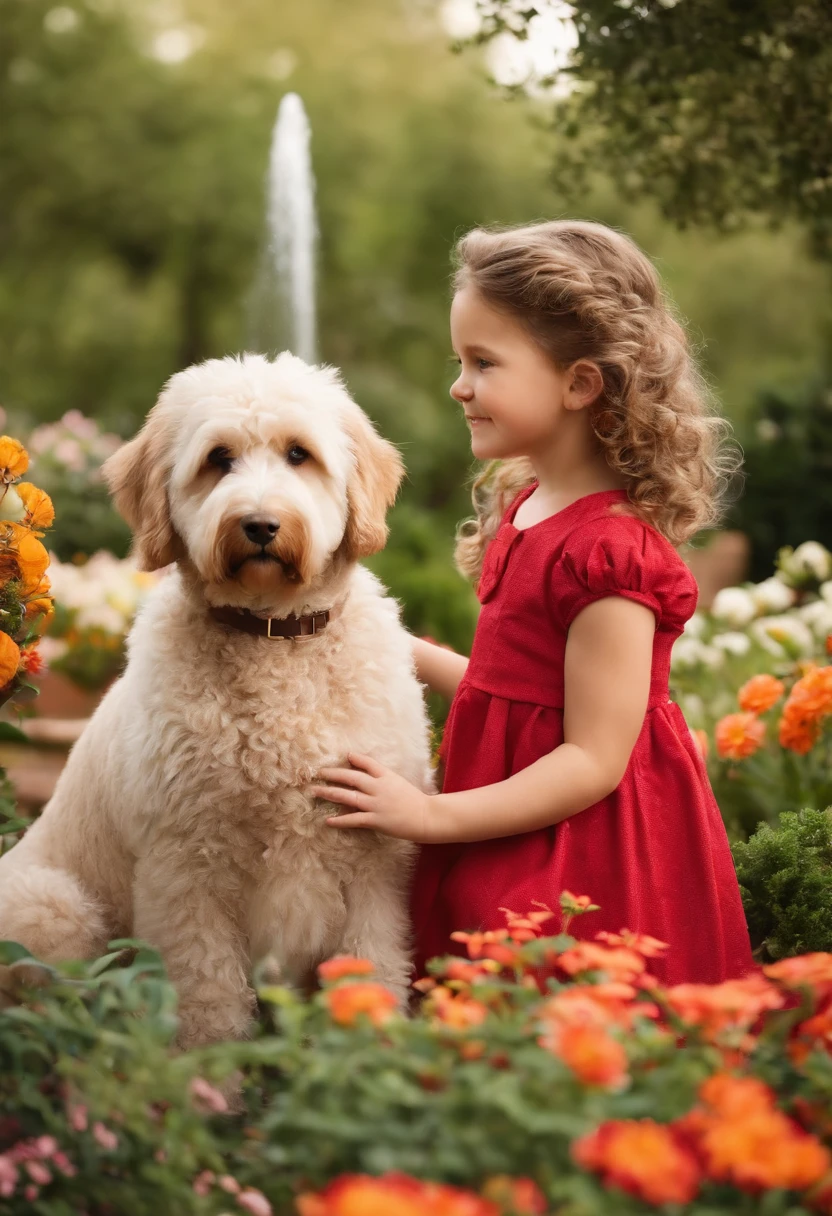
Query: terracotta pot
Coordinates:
[60,698]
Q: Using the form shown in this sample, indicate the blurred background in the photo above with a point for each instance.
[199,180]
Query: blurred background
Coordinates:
[134,146]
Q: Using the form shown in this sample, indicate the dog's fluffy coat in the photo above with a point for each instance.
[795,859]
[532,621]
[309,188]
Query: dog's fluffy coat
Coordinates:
[182,815]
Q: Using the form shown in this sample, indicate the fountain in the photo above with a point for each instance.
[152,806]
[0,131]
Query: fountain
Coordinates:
[283,301]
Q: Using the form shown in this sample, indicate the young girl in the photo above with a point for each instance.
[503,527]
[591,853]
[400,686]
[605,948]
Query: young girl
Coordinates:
[567,766]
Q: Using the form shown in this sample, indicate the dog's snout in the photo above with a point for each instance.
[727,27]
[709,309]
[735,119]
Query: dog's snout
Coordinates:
[260,529]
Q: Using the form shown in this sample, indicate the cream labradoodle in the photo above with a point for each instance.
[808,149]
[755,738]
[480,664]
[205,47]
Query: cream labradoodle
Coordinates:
[182,815]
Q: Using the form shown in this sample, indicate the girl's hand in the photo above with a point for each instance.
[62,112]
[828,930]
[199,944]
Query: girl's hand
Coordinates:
[377,798]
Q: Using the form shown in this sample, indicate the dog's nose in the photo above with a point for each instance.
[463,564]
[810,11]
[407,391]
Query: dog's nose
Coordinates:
[260,529]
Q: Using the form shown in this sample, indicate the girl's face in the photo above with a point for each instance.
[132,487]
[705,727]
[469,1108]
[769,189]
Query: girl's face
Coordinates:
[515,399]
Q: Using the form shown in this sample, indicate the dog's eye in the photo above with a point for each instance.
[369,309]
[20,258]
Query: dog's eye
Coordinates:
[297,454]
[221,458]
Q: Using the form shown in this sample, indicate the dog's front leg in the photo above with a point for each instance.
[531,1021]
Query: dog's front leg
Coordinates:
[184,916]
[377,926]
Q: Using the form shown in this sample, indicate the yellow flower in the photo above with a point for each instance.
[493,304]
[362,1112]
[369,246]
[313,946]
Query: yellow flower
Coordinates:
[39,510]
[32,560]
[9,658]
[14,459]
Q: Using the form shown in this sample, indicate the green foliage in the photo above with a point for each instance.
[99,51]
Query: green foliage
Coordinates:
[786,879]
[717,110]
[788,473]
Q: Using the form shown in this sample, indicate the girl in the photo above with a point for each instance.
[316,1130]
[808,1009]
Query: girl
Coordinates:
[566,764]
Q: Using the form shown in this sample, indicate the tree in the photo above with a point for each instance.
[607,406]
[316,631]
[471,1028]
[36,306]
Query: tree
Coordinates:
[716,108]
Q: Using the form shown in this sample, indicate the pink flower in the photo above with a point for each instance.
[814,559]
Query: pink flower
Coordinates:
[206,1098]
[255,1202]
[103,1135]
[78,1118]
[203,1182]
[230,1185]
[30,1193]
[38,1172]
[8,1176]
[63,1163]
[47,1146]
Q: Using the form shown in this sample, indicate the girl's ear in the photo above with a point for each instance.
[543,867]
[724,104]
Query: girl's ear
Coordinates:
[584,384]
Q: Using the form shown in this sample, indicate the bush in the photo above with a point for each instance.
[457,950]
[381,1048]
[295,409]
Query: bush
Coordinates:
[786,882]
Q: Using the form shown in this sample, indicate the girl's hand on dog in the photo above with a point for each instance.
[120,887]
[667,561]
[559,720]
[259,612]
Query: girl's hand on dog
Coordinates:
[378,798]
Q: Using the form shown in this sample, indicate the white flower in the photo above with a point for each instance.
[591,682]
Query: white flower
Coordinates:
[809,560]
[713,657]
[733,605]
[818,616]
[826,592]
[12,506]
[101,616]
[692,706]
[783,636]
[687,653]
[772,595]
[695,627]
[732,642]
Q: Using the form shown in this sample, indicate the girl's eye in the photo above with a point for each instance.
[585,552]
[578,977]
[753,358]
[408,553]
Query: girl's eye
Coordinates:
[297,455]
[482,364]
[221,459]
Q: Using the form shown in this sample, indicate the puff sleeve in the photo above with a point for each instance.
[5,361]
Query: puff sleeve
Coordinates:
[622,556]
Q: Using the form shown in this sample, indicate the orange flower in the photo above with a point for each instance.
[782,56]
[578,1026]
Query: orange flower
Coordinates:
[32,660]
[39,510]
[803,971]
[590,1052]
[9,659]
[620,963]
[760,693]
[520,1196]
[348,1002]
[342,965]
[736,1096]
[491,944]
[796,734]
[650,947]
[732,1004]
[23,557]
[14,459]
[739,736]
[39,612]
[612,1004]
[761,1150]
[643,1158]
[526,928]
[811,696]
[392,1195]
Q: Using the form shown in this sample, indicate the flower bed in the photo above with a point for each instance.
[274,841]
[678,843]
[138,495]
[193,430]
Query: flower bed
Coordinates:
[590,1092]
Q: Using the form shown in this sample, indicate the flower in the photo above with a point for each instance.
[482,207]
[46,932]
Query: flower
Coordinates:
[643,1158]
[206,1097]
[783,636]
[760,693]
[620,963]
[342,965]
[739,736]
[14,459]
[9,658]
[809,701]
[804,971]
[255,1202]
[592,1054]
[733,605]
[348,1002]
[772,595]
[28,555]
[40,513]
[458,1012]
[392,1195]
[808,561]
[731,1004]
[104,1137]
[732,642]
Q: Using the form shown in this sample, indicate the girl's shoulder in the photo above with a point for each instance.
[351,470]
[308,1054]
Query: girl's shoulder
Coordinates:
[616,552]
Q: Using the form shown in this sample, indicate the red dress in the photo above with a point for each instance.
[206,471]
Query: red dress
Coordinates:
[654,854]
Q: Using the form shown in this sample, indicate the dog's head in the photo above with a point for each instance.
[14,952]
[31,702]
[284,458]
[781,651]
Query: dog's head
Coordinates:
[258,473]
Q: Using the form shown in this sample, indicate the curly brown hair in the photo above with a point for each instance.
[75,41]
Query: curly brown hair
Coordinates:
[585,291]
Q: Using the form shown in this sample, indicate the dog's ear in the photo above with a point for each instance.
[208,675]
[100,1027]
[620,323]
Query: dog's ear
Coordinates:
[372,487]
[137,477]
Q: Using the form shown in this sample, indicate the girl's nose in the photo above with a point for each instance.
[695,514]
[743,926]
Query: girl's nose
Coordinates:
[460,391]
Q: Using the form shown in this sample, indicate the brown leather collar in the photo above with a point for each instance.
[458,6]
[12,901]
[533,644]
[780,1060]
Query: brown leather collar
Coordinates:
[296,628]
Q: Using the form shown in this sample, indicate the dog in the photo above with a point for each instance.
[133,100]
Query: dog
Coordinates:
[264,654]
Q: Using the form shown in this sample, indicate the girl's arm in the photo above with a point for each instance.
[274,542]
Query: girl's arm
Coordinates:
[609,653]
[437,667]
[608,662]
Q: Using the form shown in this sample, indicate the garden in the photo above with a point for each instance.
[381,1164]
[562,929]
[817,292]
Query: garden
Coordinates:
[537,1072]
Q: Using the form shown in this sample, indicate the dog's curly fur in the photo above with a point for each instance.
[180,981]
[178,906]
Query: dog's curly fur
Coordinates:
[182,815]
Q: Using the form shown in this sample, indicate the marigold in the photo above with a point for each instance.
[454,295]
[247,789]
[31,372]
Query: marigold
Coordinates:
[715,1007]
[590,1052]
[760,693]
[620,963]
[739,736]
[392,1195]
[796,734]
[761,1150]
[643,1158]
[732,1096]
[342,965]
[14,459]
[811,696]
[9,659]
[40,512]
[348,1002]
